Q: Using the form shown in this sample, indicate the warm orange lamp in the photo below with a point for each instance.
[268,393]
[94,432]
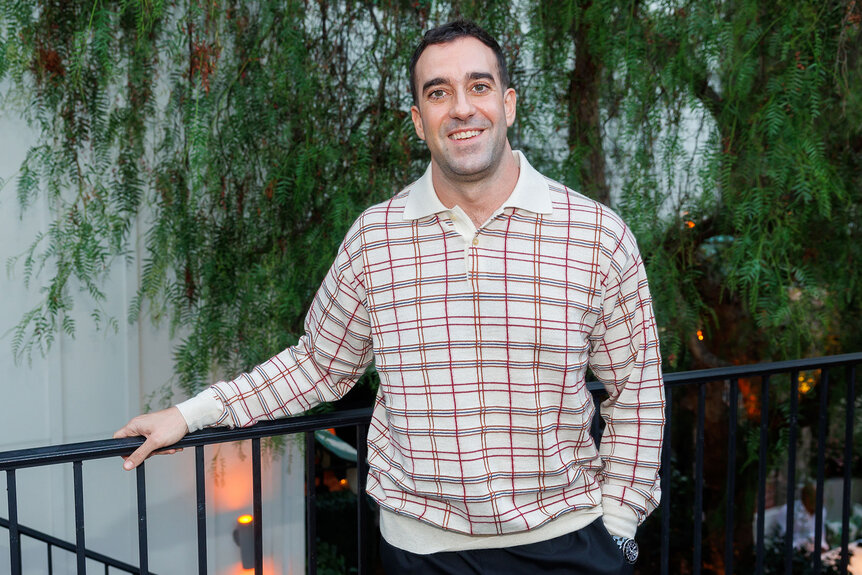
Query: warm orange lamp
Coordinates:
[243,534]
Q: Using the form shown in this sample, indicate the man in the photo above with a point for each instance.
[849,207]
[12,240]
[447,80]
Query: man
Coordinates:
[482,291]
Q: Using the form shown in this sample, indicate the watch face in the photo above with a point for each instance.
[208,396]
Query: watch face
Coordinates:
[630,550]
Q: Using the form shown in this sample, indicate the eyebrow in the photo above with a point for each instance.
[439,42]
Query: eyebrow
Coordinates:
[471,76]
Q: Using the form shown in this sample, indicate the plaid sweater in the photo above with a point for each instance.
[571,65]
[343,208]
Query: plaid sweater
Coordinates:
[481,338]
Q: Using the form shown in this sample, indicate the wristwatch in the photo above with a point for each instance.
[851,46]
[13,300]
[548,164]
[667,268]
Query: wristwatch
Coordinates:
[628,547]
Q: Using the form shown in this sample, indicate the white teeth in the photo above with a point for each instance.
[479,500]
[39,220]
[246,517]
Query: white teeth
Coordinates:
[464,135]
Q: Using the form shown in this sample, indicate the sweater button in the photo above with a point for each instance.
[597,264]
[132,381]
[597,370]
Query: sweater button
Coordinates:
[475,241]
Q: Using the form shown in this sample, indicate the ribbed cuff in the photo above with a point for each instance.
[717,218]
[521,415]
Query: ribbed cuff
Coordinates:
[202,410]
[619,520]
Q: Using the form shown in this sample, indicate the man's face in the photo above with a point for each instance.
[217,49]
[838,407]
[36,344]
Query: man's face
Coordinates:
[462,111]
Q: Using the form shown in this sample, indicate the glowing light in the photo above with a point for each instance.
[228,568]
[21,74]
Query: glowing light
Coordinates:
[343,482]
[700,335]
[269,566]
[806,383]
[689,224]
[244,519]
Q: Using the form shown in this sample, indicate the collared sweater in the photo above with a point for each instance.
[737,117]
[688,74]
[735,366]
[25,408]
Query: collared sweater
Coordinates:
[480,434]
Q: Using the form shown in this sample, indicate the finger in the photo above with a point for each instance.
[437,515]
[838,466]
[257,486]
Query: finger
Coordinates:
[124,432]
[139,455]
[128,430]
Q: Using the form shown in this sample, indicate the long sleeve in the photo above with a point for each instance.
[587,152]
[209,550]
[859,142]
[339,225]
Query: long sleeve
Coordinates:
[325,363]
[625,358]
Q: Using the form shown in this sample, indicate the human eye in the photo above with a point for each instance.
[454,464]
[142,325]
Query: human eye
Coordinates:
[437,94]
[481,88]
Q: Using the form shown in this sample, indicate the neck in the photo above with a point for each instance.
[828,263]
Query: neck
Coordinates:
[481,198]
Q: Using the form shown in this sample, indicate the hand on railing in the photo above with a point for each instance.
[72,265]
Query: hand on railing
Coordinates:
[160,428]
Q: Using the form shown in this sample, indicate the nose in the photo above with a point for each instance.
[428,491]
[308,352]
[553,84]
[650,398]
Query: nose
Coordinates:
[462,106]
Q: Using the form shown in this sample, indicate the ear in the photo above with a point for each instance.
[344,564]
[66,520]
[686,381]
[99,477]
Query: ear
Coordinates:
[510,101]
[417,122]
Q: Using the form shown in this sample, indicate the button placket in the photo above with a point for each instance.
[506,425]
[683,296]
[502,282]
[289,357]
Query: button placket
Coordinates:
[471,258]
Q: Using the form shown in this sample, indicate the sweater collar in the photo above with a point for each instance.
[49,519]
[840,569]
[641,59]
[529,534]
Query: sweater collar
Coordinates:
[531,193]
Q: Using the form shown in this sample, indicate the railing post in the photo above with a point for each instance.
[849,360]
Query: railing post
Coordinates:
[143,556]
[78,474]
[848,465]
[14,536]
[666,485]
[761,472]
[698,480]
[200,481]
[821,463]
[310,506]
[258,506]
[361,509]
[733,407]
[791,474]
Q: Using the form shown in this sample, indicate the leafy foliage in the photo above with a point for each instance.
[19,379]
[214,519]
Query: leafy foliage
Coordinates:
[239,140]
[731,130]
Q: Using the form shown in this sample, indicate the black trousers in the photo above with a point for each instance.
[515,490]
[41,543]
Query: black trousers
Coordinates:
[587,551]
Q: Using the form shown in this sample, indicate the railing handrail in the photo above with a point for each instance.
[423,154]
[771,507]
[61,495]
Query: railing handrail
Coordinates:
[103,448]
[755,369]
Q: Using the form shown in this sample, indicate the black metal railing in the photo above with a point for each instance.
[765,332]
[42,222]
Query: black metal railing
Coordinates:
[675,384]
[51,543]
[768,373]
[77,453]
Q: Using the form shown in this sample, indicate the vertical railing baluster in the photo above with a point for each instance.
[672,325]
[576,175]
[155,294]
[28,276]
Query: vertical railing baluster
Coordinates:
[848,465]
[78,475]
[761,472]
[14,536]
[310,506]
[666,484]
[143,554]
[732,415]
[361,507]
[50,559]
[258,506]
[791,473]
[821,463]
[698,480]
[201,487]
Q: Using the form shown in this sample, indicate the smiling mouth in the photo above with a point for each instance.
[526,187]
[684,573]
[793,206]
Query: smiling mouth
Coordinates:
[465,135]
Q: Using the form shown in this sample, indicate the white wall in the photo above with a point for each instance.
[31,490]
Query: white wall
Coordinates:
[87,387]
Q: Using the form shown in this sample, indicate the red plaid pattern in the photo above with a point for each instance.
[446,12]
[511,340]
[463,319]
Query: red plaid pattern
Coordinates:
[482,420]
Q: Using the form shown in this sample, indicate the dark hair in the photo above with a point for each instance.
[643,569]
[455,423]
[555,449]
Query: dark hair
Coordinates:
[452,31]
